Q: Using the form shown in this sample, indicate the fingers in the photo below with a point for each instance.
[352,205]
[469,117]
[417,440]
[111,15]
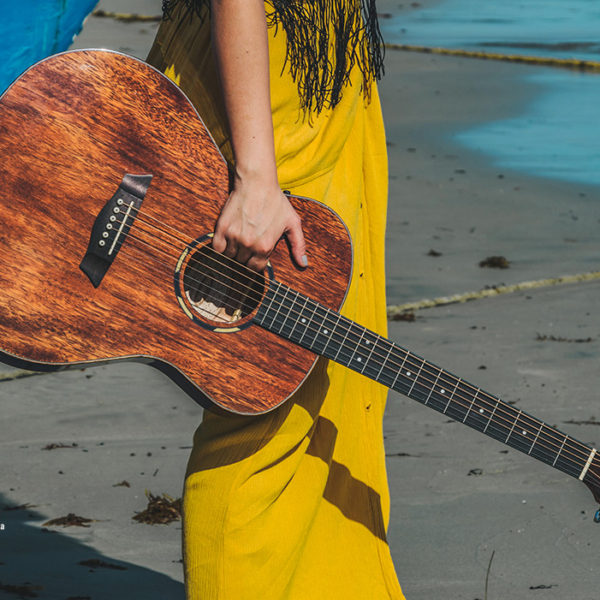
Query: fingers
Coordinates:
[297,243]
[249,234]
[255,254]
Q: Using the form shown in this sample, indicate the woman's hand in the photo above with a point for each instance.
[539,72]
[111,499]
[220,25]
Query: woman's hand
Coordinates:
[254,218]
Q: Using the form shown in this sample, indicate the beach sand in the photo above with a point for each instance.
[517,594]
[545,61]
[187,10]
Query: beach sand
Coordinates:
[458,498]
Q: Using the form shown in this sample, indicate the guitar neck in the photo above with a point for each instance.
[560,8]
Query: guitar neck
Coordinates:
[299,319]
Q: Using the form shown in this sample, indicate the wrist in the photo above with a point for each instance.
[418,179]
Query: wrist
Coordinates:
[255,174]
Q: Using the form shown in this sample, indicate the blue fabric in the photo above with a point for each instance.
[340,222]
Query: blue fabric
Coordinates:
[30,31]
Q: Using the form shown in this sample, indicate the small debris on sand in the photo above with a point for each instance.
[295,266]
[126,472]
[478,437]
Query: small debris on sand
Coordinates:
[123,483]
[590,421]
[53,446]
[19,506]
[495,262]
[71,520]
[160,510]
[96,563]
[552,338]
[405,316]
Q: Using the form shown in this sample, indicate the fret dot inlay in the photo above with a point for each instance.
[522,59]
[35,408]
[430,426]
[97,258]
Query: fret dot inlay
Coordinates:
[325,331]
[359,359]
[482,411]
[442,391]
[408,373]
[303,320]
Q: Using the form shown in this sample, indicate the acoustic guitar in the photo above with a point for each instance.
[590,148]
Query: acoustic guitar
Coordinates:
[110,187]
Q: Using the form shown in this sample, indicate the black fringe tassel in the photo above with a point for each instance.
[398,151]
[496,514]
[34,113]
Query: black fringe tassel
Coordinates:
[350,27]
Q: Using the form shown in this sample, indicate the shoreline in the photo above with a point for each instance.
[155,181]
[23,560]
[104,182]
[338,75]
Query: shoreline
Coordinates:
[453,200]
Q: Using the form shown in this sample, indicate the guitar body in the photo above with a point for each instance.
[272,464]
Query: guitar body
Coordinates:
[110,187]
[71,128]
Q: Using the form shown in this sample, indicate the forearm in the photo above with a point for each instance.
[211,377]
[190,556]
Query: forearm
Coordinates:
[256,213]
[240,42]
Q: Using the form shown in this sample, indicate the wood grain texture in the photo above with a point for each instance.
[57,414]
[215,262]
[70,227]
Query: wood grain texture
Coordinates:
[70,128]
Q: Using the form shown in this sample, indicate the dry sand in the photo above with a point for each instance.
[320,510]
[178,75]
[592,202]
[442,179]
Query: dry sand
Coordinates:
[130,423]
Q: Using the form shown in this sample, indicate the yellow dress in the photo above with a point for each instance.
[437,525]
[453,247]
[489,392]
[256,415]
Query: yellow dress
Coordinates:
[294,505]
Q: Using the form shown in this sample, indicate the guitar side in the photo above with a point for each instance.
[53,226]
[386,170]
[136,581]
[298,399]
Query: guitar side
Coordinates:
[71,127]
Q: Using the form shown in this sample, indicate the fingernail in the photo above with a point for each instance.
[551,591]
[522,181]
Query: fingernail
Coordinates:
[304,261]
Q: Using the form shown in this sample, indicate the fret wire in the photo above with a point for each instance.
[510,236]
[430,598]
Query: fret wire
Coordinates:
[321,316]
[299,312]
[359,359]
[473,400]
[313,320]
[281,305]
[268,307]
[290,303]
[546,451]
[294,322]
[406,355]
[416,377]
[512,428]
[383,364]
[330,322]
[368,358]
[452,394]
[349,330]
[305,321]
[560,450]
[567,466]
[342,342]
[433,386]
[537,435]
[491,417]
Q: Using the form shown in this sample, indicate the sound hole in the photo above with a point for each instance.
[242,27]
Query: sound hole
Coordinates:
[220,289]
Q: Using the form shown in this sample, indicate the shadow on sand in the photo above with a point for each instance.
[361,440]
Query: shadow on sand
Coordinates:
[38,562]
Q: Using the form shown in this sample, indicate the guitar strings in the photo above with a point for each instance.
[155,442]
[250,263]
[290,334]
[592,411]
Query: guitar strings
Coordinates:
[218,279]
[521,416]
[524,417]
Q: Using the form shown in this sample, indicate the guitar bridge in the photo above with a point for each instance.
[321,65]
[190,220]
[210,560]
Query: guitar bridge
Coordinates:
[112,226]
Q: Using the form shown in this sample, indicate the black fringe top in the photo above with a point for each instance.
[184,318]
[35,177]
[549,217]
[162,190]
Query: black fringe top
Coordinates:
[308,24]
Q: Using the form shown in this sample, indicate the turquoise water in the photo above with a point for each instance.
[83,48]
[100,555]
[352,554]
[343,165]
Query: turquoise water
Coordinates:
[558,134]
[31,30]
[562,28]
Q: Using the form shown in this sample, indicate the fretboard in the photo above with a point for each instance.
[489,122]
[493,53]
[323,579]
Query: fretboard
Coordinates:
[299,319]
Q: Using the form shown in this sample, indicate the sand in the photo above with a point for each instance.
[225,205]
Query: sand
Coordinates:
[457,497]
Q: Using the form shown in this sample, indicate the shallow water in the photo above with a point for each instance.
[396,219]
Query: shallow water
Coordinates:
[558,134]
[541,27]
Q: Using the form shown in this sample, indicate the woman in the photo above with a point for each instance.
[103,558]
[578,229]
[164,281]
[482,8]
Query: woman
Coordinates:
[293,504]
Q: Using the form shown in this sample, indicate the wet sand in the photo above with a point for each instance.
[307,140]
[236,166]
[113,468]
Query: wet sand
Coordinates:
[457,497]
